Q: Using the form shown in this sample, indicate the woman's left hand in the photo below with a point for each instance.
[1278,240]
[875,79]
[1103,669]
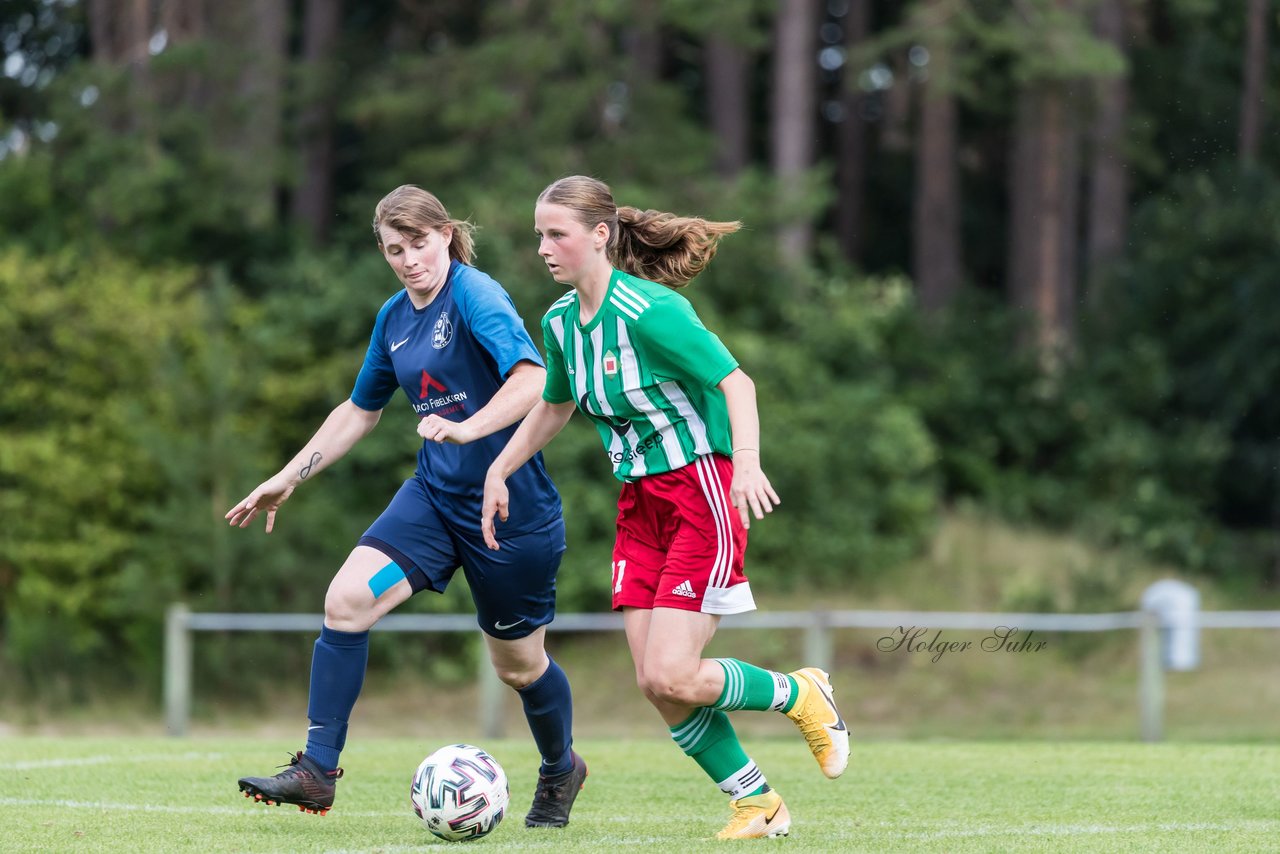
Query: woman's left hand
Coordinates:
[433,428]
[750,490]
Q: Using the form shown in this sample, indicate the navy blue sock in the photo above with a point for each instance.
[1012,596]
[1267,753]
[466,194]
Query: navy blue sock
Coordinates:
[548,706]
[337,675]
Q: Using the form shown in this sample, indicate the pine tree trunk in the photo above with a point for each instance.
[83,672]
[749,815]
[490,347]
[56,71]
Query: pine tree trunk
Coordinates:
[1108,176]
[792,127]
[254,32]
[644,42]
[186,21]
[852,137]
[1043,216]
[120,36]
[1255,67]
[727,82]
[312,203]
[120,31]
[936,260]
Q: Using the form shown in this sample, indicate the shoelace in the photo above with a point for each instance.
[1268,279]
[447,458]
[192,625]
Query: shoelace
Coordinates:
[812,729]
[549,792]
[745,812]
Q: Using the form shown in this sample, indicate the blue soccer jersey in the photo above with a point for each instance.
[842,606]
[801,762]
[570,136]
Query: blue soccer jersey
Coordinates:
[450,358]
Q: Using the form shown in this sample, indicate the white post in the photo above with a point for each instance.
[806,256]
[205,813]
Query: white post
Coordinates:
[177,669]
[817,642]
[491,696]
[1150,678]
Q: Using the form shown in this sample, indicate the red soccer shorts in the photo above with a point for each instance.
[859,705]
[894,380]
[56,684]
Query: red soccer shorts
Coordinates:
[681,543]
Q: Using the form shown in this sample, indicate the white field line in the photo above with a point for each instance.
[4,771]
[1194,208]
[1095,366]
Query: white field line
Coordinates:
[244,810]
[105,759]
[523,845]
[1255,825]
[1061,830]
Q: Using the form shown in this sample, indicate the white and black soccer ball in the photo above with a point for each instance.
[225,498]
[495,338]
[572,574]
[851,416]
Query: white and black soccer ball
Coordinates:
[460,792]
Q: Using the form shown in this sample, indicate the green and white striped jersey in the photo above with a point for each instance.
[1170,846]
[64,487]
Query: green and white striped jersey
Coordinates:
[645,370]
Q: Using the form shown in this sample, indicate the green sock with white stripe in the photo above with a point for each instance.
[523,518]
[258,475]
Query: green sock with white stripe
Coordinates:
[755,689]
[708,738]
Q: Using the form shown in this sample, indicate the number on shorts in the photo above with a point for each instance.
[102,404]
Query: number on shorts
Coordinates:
[619,568]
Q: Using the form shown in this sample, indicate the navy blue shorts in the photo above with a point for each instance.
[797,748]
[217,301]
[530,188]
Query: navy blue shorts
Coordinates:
[514,588]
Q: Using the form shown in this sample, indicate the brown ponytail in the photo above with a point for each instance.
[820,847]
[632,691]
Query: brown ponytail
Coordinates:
[653,245]
[665,248]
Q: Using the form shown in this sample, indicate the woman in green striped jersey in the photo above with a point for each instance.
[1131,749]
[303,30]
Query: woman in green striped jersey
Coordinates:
[678,420]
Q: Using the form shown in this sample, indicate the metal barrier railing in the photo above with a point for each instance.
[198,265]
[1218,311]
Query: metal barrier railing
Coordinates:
[817,626]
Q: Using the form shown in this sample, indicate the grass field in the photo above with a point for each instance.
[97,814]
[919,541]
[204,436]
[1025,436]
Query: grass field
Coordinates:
[157,795]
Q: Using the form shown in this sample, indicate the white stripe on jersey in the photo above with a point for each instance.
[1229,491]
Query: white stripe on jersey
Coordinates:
[697,427]
[579,363]
[635,394]
[580,387]
[557,329]
[564,300]
[638,466]
[597,371]
[619,296]
[621,289]
[623,307]
[713,491]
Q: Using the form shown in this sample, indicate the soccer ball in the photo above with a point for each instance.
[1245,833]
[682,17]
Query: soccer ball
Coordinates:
[459,792]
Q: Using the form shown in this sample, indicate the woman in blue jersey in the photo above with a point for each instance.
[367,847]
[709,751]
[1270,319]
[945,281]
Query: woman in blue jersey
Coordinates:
[678,420]
[452,339]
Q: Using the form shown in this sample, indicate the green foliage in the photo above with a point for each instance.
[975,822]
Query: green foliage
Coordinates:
[86,342]
[1205,260]
[852,461]
[1092,445]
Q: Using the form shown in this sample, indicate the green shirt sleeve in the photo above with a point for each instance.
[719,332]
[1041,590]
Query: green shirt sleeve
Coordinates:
[556,389]
[679,347]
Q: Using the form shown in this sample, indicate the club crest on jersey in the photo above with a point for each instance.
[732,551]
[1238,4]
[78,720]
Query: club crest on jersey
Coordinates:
[442,333]
[610,364]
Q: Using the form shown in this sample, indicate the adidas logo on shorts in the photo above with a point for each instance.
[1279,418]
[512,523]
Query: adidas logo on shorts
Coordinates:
[684,588]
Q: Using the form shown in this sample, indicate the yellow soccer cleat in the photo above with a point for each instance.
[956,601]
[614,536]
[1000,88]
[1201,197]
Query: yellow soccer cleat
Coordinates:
[816,715]
[757,817]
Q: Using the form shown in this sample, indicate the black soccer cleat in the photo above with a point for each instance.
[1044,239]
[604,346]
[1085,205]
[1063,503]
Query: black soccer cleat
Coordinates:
[302,783]
[554,796]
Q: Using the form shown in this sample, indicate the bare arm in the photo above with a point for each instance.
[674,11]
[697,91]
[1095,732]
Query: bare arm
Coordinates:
[750,490]
[346,425]
[539,427]
[521,390]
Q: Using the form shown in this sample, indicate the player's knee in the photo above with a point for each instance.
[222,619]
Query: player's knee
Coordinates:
[518,664]
[515,676]
[345,610]
[643,685]
[666,685]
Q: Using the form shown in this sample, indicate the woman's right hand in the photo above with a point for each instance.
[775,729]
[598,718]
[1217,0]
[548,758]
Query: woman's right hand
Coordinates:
[269,495]
[496,500]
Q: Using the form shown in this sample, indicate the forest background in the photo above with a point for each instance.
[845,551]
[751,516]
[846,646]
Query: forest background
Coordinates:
[1019,256]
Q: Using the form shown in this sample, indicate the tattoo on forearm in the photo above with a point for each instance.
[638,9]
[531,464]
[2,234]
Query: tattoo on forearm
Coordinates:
[306,470]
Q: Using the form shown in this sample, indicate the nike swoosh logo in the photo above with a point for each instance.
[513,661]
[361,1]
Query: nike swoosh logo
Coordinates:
[839,725]
[399,344]
[769,818]
[498,625]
